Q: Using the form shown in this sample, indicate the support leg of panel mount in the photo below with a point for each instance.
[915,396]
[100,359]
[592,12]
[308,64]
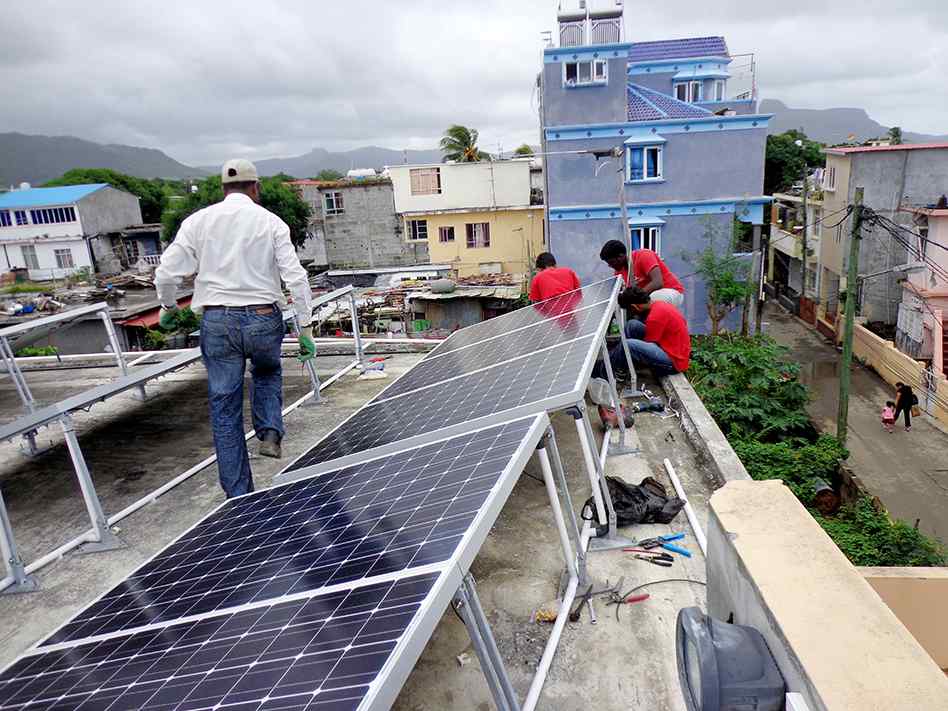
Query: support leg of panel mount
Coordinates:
[16,375]
[469,608]
[623,446]
[597,478]
[117,350]
[554,476]
[356,330]
[633,389]
[22,581]
[105,539]
[32,449]
[317,399]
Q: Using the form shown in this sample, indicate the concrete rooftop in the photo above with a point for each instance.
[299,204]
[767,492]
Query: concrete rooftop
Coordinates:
[133,447]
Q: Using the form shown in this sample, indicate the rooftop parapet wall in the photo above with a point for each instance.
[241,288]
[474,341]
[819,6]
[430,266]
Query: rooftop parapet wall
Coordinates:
[771,566]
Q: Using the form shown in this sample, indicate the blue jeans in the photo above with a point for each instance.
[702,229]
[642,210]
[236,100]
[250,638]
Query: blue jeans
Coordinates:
[643,353]
[228,338]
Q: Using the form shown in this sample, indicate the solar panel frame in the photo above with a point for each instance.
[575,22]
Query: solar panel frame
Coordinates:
[551,404]
[385,687]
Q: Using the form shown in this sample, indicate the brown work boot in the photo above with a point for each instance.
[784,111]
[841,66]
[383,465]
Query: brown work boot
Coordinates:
[609,419]
[270,445]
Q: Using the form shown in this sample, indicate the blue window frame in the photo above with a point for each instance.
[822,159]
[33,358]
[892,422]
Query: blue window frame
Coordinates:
[644,163]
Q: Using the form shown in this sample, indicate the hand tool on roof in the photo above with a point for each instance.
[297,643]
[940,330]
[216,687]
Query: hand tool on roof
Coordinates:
[611,590]
[650,554]
[654,560]
[665,542]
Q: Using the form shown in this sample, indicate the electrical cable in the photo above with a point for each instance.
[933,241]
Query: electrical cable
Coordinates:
[625,595]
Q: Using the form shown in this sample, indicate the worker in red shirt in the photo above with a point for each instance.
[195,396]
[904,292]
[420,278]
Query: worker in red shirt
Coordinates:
[551,280]
[659,341]
[649,271]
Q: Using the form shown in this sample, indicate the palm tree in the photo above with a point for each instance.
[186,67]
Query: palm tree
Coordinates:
[459,143]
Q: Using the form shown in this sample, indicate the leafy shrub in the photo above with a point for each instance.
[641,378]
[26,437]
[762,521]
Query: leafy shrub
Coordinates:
[871,538]
[748,387]
[184,321]
[155,340]
[798,466]
[31,351]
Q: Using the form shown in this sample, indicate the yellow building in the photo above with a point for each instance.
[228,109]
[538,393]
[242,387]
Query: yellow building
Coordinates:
[480,240]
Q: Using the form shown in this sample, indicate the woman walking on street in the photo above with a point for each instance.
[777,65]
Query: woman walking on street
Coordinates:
[904,399]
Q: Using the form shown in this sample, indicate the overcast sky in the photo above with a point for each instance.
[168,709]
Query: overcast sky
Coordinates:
[203,82]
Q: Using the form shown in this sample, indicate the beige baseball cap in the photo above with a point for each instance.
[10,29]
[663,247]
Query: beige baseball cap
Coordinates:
[239,170]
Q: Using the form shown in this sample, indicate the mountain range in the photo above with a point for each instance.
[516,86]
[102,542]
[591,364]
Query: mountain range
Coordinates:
[832,126]
[36,159]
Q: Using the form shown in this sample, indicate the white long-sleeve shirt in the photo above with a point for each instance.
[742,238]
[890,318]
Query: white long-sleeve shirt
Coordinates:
[239,251]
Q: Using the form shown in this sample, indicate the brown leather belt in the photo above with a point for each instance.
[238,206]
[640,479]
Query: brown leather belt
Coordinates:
[259,309]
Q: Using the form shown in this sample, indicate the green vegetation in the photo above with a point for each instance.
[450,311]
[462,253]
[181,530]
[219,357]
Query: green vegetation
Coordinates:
[275,195]
[459,143]
[724,276]
[328,174]
[523,150]
[785,160]
[26,287]
[753,393]
[33,351]
[152,193]
[155,340]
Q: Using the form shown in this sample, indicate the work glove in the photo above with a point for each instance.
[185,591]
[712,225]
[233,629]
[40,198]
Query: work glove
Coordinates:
[167,318]
[307,344]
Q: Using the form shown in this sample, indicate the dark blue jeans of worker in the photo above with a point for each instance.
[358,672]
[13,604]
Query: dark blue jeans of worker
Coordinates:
[229,337]
[643,353]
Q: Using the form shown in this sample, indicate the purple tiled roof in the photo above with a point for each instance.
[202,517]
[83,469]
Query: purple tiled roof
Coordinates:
[678,49]
[648,105]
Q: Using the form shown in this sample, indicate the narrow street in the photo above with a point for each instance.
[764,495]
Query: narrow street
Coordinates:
[908,471]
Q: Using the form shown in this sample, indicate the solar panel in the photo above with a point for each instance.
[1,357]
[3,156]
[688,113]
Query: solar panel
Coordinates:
[377,517]
[539,382]
[314,653]
[528,316]
[496,350]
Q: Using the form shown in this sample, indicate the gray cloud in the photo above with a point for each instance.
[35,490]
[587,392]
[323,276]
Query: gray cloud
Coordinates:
[204,80]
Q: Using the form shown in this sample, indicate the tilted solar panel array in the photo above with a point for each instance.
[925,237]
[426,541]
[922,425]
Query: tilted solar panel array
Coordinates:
[294,597]
[319,594]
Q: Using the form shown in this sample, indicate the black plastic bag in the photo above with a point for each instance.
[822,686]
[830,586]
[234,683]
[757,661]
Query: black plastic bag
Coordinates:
[647,502]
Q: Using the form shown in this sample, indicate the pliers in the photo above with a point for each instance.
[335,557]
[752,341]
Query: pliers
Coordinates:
[655,558]
[665,542]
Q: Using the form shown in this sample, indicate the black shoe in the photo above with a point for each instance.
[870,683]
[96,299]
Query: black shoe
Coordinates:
[270,445]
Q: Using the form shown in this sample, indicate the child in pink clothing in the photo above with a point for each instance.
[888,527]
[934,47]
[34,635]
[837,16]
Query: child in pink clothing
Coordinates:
[888,416]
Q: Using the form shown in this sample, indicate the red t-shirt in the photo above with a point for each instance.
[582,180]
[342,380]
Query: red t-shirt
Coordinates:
[644,261]
[551,282]
[666,327]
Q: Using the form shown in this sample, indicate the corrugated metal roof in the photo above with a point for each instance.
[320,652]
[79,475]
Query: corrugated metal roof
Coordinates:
[648,105]
[678,49]
[482,292]
[41,197]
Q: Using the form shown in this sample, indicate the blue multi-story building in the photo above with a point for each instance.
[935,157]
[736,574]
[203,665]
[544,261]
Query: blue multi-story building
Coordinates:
[687,154]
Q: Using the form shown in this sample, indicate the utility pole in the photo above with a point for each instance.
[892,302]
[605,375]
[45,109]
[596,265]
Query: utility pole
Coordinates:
[852,287]
[805,181]
[764,251]
[623,212]
[758,265]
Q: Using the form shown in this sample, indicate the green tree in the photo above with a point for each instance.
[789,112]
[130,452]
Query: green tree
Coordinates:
[459,143]
[785,160]
[151,193]
[724,276]
[328,174]
[523,150]
[895,135]
[284,177]
[275,195]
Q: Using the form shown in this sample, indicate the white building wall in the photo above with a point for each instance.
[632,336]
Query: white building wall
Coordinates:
[46,255]
[485,184]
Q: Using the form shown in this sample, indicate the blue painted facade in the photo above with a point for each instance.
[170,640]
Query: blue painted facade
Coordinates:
[686,170]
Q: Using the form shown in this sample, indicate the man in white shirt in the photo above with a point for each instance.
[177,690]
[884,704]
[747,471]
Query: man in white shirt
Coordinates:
[239,252]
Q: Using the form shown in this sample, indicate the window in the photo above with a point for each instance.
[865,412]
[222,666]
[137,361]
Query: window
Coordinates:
[21,218]
[446,234]
[478,235]
[5,218]
[595,71]
[425,181]
[64,258]
[645,163]
[719,90]
[418,230]
[52,215]
[647,238]
[333,203]
[829,178]
[29,256]
[689,91]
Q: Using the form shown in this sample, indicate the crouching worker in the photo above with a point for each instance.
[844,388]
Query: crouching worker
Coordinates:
[658,339]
